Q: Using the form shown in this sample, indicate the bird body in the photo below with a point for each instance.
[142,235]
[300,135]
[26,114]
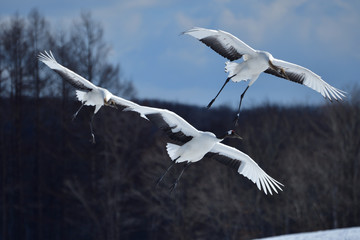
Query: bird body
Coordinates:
[97,97]
[249,69]
[194,150]
[255,62]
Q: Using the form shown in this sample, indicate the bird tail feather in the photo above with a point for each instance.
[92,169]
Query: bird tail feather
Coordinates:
[172,150]
[80,96]
[231,68]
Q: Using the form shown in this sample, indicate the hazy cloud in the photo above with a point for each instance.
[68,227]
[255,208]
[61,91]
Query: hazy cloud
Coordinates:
[145,37]
[336,23]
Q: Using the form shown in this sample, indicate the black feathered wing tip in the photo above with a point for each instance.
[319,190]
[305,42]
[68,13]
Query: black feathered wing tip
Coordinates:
[73,81]
[232,163]
[223,43]
[228,52]
[178,136]
[294,77]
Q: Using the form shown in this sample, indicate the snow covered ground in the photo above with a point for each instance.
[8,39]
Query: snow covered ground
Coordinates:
[335,234]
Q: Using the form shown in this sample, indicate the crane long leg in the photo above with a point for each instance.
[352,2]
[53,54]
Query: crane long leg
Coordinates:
[162,176]
[172,187]
[91,129]
[226,81]
[238,112]
[75,114]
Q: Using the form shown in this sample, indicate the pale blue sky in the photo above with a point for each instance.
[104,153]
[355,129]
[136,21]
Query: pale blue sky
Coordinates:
[322,35]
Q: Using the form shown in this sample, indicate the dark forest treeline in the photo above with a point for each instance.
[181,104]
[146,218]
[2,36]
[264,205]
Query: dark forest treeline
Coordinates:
[75,190]
[56,185]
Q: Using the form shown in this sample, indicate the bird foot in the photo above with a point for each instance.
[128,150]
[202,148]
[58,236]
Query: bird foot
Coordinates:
[73,117]
[172,187]
[158,181]
[92,140]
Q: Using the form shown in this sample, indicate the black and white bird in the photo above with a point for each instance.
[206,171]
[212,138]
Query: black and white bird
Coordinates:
[256,62]
[87,93]
[194,145]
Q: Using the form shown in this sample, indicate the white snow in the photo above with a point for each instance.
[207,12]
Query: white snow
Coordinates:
[335,234]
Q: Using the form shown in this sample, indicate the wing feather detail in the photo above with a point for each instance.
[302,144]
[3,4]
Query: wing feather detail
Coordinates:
[306,77]
[224,43]
[245,166]
[71,77]
[172,124]
[124,104]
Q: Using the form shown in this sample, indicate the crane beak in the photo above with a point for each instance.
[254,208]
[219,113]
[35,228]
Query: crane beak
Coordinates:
[279,70]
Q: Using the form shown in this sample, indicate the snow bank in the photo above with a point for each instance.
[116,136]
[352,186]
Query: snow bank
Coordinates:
[335,234]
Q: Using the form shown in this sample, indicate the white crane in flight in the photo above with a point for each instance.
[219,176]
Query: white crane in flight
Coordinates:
[256,62]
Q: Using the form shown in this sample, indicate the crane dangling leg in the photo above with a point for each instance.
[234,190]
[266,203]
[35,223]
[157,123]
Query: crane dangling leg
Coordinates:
[172,187]
[162,176]
[92,140]
[75,114]
[226,81]
[238,112]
